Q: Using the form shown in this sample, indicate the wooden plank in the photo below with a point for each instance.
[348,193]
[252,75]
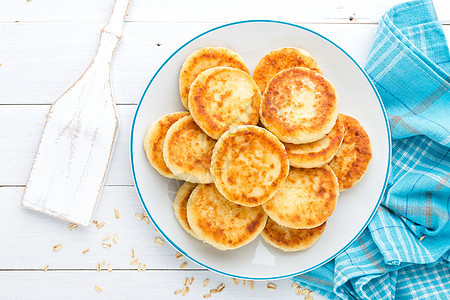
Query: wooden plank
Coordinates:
[133,285]
[28,242]
[199,11]
[20,131]
[39,63]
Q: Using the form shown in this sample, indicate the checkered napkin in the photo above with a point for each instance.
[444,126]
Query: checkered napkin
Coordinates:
[404,253]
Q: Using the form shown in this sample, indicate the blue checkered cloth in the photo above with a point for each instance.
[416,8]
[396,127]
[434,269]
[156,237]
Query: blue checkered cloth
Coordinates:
[410,65]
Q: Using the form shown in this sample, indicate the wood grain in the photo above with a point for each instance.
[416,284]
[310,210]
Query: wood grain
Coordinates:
[198,11]
[133,285]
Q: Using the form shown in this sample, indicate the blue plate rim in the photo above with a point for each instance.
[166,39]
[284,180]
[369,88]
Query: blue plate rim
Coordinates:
[332,256]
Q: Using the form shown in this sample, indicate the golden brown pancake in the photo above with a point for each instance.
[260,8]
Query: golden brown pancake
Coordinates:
[223,97]
[202,60]
[290,239]
[299,106]
[154,141]
[318,153]
[306,199]
[180,204]
[221,223]
[281,59]
[249,165]
[187,151]
[353,156]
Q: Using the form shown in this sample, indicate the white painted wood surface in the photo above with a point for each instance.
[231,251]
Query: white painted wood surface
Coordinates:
[38,63]
[79,136]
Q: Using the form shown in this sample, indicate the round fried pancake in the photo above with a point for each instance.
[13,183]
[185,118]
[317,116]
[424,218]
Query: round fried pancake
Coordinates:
[202,60]
[249,164]
[221,223]
[318,153]
[306,199]
[299,106]
[180,206]
[290,239]
[223,97]
[353,156]
[281,59]
[187,151]
[154,141]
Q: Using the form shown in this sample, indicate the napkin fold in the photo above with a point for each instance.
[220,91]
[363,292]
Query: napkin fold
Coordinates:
[404,251]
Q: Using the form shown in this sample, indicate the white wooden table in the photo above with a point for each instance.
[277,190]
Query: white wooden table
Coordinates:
[44,46]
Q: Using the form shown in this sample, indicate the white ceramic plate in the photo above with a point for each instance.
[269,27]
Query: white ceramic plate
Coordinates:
[357,97]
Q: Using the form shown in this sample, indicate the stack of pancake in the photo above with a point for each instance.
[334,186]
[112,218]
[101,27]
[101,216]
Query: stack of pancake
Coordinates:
[265,155]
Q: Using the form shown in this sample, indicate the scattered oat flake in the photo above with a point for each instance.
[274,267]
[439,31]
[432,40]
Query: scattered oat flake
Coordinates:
[138,216]
[95,222]
[134,262]
[207,296]
[57,247]
[421,238]
[100,225]
[109,268]
[107,237]
[244,282]
[235,281]
[106,245]
[143,267]
[132,253]
[103,263]
[185,291]
[305,291]
[251,284]
[177,292]
[144,214]
[294,284]
[186,281]
[183,265]
[115,238]
[73,226]
[85,251]
[116,213]
[98,288]
[220,287]
[159,241]
[308,297]
[213,291]
[191,280]
[311,293]
[179,255]
[45,268]
[271,286]
[139,267]
[298,290]
[146,220]
[206,282]
[99,268]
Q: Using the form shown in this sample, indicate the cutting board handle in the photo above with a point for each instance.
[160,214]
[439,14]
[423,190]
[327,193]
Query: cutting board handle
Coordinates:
[117,18]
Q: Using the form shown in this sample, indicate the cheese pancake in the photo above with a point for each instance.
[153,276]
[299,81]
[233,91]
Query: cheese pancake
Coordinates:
[281,59]
[154,141]
[249,165]
[202,60]
[187,151]
[318,153]
[290,239]
[223,97]
[180,205]
[306,199]
[299,106]
[353,156]
[221,223]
